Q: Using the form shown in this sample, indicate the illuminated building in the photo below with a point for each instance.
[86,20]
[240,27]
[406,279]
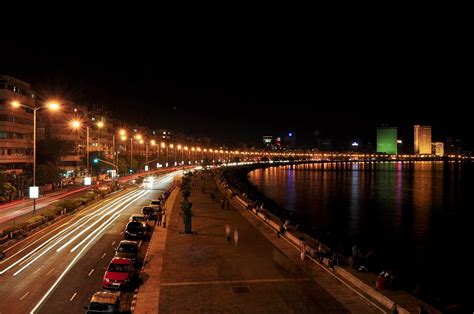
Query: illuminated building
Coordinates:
[437,148]
[422,139]
[267,141]
[387,140]
[16,124]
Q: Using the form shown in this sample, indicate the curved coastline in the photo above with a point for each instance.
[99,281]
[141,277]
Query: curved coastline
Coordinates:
[238,179]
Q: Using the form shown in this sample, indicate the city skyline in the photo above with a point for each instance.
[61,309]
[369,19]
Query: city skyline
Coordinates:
[205,98]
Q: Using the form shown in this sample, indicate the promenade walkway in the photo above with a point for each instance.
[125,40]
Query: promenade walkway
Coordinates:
[203,273]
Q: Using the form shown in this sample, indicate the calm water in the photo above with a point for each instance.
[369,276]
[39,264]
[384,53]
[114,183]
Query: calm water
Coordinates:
[418,216]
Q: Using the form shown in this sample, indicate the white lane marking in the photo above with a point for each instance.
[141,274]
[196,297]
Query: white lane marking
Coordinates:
[103,255]
[105,223]
[117,208]
[71,264]
[90,273]
[66,223]
[49,273]
[73,296]
[113,243]
[24,296]
[113,208]
[58,236]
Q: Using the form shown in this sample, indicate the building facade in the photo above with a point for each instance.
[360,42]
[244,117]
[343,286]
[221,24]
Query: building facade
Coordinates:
[16,124]
[387,140]
[422,140]
[437,149]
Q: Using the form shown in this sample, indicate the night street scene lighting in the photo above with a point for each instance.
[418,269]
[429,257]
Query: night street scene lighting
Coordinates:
[306,170]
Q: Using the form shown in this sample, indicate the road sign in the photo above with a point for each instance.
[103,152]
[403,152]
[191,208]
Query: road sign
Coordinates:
[34,192]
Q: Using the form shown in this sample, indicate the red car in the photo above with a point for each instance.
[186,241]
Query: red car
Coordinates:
[119,274]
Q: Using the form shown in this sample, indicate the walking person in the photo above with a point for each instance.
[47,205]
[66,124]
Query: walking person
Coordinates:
[159,216]
[227,232]
[236,236]
[302,248]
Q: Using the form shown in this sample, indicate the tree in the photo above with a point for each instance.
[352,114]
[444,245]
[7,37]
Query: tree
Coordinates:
[187,205]
[48,173]
[50,150]
[122,164]
[21,182]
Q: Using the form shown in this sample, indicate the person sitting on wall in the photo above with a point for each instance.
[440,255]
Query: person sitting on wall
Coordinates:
[283,228]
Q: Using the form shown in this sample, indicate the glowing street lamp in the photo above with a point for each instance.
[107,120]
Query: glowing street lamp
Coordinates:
[53,106]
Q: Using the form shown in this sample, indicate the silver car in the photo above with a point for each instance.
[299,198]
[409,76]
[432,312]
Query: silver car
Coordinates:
[127,249]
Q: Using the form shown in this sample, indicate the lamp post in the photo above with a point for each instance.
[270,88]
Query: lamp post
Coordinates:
[174,152]
[163,145]
[52,106]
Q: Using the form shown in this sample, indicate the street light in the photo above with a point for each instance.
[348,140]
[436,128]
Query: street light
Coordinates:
[53,106]
[76,124]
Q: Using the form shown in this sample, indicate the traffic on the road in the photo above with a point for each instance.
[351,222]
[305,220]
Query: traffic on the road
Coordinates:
[88,262]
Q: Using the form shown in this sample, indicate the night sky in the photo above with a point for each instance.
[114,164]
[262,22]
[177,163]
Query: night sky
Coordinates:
[237,91]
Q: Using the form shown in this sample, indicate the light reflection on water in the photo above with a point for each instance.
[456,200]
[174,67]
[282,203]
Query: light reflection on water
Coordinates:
[408,211]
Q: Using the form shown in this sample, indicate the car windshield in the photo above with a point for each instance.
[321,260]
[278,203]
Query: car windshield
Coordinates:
[134,226]
[147,210]
[138,218]
[119,268]
[101,307]
[127,248]
[155,202]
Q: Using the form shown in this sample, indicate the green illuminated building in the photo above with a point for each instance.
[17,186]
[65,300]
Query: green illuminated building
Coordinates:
[387,140]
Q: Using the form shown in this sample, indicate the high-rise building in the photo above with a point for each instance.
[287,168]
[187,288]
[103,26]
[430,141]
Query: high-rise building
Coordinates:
[267,141]
[437,148]
[387,140]
[422,139]
[16,124]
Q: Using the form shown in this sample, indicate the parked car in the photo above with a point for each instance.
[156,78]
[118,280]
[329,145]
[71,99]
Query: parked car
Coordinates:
[119,274]
[127,249]
[135,230]
[104,302]
[155,203]
[149,212]
[139,218]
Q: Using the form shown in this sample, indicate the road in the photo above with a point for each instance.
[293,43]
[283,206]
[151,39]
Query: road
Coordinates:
[58,269]
[17,210]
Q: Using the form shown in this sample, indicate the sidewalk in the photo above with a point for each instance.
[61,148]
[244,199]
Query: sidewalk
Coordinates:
[203,273]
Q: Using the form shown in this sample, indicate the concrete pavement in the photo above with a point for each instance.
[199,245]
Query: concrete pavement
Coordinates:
[203,273]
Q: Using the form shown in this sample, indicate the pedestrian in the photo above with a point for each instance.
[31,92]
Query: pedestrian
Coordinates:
[283,229]
[227,204]
[302,248]
[227,232]
[236,236]
[394,309]
[164,219]
[159,216]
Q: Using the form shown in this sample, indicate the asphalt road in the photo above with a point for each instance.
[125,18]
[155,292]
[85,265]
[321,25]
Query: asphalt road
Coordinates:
[58,269]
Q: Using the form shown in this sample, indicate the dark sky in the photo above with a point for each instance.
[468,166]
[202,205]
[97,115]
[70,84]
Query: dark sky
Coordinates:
[238,89]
